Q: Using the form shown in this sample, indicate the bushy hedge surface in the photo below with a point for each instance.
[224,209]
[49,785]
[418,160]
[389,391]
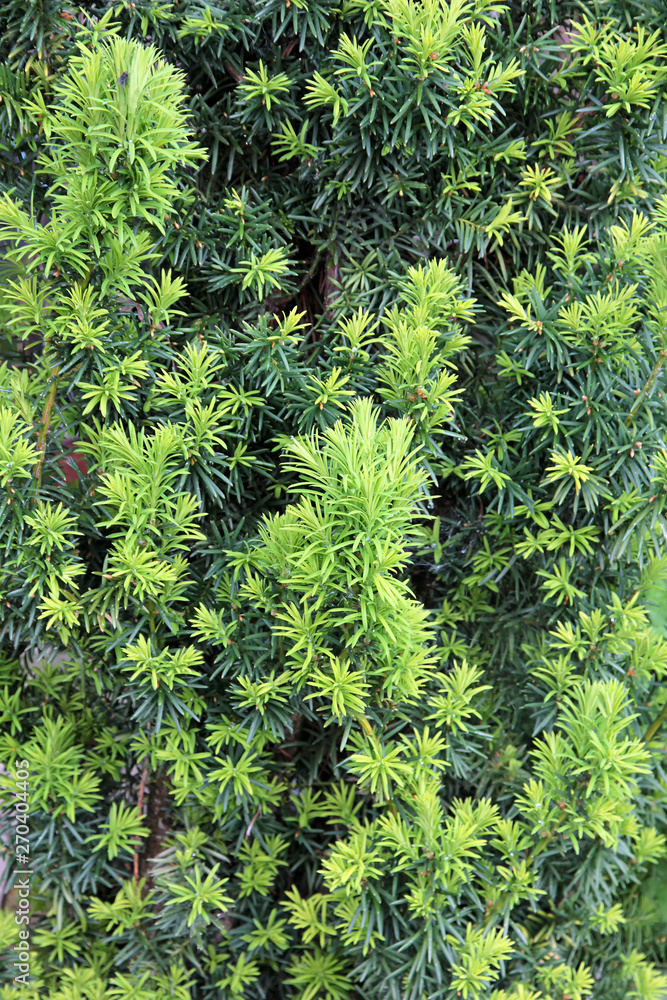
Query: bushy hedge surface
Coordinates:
[333,488]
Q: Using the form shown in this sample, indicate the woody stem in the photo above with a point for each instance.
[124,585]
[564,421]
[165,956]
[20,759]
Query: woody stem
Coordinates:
[51,396]
[646,391]
[46,420]
[140,809]
[655,725]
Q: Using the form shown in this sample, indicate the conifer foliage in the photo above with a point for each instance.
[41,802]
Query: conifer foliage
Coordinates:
[333,497]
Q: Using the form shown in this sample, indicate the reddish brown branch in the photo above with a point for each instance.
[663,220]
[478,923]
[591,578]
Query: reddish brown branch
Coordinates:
[253,821]
[158,823]
[140,809]
[46,421]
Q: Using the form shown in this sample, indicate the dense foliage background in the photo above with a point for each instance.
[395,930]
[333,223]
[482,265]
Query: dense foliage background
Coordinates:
[333,485]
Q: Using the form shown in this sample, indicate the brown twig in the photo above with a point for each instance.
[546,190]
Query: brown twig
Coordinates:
[46,421]
[655,726]
[648,387]
[253,821]
[331,289]
[157,821]
[51,396]
[233,72]
[140,809]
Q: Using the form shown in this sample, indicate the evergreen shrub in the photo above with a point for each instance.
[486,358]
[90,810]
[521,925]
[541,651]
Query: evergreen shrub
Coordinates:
[333,500]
